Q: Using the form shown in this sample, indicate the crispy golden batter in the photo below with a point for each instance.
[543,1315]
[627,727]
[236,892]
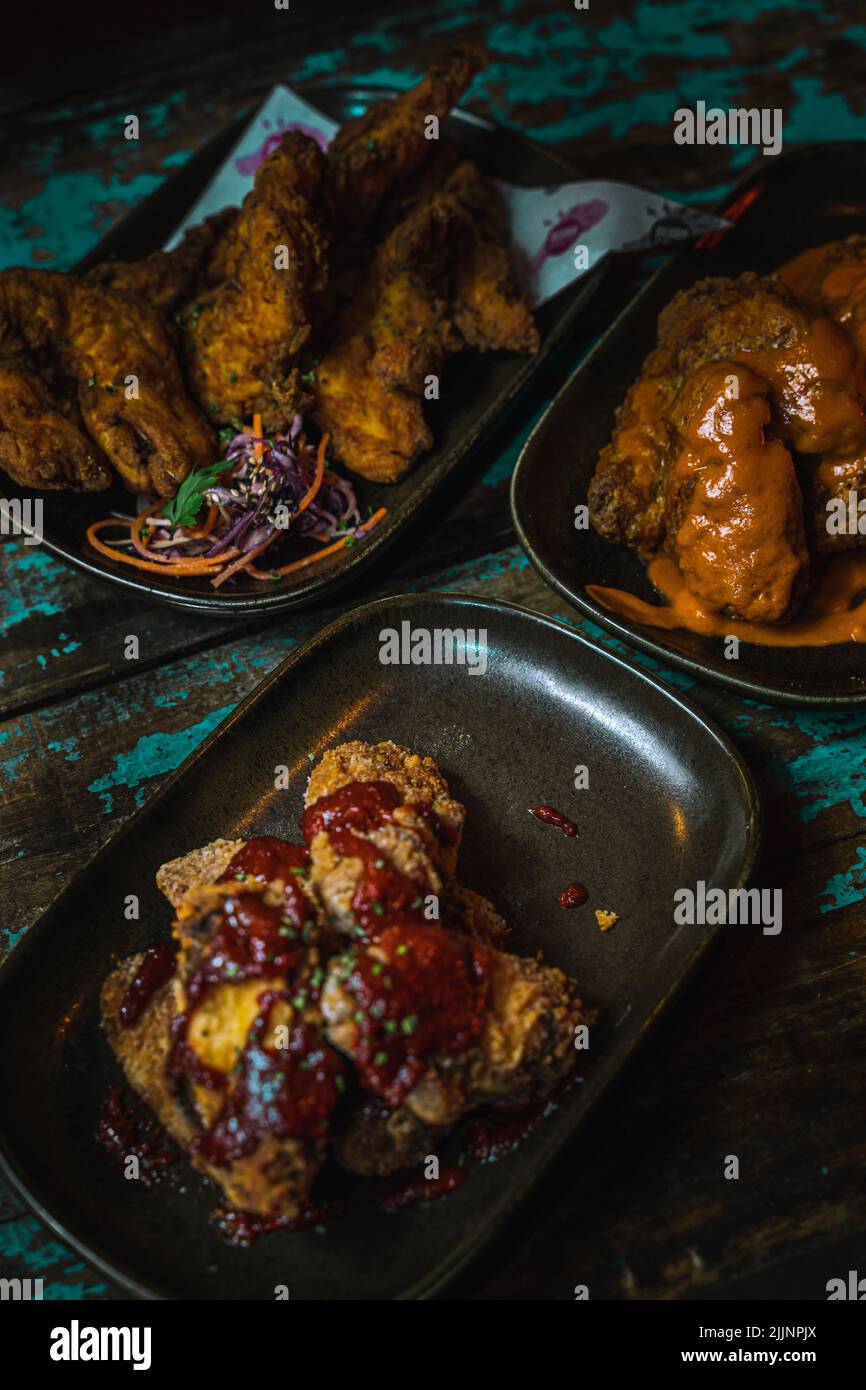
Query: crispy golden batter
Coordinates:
[372,153]
[526,1046]
[43,442]
[388,338]
[166,279]
[242,338]
[118,358]
[488,305]
[274,1179]
[441,281]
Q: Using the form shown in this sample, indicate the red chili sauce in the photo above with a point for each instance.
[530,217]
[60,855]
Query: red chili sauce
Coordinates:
[429,995]
[550,816]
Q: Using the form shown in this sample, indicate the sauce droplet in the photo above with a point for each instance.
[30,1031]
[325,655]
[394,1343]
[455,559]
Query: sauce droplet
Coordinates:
[550,816]
[575,895]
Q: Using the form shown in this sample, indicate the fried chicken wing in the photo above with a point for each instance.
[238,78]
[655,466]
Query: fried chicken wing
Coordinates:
[242,337]
[831,280]
[167,279]
[815,387]
[118,359]
[372,153]
[388,338]
[808,364]
[733,506]
[436,1025]
[380,824]
[244,1043]
[229,1053]
[488,305]
[43,442]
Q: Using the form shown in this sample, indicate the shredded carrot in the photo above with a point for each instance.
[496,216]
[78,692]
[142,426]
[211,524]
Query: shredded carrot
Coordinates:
[243,562]
[199,565]
[317,479]
[209,523]
[319,554]
[148,558]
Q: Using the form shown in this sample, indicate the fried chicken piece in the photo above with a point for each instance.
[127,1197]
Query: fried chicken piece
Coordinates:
[387,340]
[379,820]
[814,380]
[436,1025]
[377,1141]
[43,442]
[230,1052]
[166,279]
[118,358]
[196,869]
[733,506]
[488,305]
[242,337]
[831,280]
[374,152]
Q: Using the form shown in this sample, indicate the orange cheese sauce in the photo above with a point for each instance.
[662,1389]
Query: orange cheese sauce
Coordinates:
[835,610]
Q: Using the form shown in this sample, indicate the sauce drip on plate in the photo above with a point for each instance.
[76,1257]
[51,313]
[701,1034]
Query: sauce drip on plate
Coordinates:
[575,895]
[548,815]
[835,610]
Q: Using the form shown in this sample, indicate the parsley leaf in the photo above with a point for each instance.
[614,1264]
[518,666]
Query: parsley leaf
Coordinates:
[184,507]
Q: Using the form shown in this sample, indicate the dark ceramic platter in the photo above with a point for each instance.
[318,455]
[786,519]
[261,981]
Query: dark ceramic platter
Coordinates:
[476,389]
[669,803]
[800,200]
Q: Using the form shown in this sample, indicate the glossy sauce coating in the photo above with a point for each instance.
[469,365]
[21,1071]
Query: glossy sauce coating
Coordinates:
[266,858]
[251,940]
[733,498]
[427,994]
[283,1092]
[384,896]
[155,970]
[366,806]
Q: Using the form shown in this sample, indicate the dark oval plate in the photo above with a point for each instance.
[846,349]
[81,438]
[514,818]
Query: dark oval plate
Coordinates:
[669,802]
[475,393]
[799,200]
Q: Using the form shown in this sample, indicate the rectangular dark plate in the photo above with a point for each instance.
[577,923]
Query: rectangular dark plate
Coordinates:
[669,803]
[475,391]
[800,200]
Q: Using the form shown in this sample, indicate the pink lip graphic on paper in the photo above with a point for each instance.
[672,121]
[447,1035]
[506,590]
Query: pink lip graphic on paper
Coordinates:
[567,226]
[249,164]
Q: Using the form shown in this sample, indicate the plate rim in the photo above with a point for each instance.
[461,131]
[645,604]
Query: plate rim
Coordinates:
[625,631]
[444,1273]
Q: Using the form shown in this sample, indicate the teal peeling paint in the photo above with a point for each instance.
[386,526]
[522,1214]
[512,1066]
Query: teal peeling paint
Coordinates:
[843,890]
[32,575]
[24,1248]
[153,755]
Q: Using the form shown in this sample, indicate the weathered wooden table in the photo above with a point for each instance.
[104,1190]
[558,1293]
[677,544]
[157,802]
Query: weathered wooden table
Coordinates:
[766,1056]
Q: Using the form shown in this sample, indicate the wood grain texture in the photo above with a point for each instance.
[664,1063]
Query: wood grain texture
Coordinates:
[765,1057]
